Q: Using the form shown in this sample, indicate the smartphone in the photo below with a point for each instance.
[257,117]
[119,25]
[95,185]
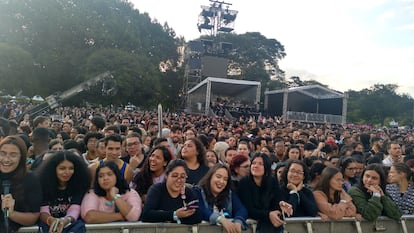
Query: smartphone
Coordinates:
[192,204]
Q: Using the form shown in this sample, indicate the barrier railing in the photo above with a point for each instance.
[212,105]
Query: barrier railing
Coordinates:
[313,117]
[293,225]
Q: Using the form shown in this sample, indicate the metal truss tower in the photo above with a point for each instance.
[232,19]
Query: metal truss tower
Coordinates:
[213,19]
[216,18]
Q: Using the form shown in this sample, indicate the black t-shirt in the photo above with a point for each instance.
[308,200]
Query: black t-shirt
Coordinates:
[59,207]
[194,176]
[159,205]
[32,198]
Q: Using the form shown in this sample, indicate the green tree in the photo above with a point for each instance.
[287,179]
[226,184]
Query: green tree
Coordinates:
[16,67]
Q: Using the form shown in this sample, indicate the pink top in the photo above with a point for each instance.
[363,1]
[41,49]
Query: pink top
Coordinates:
[91,201]
[335,211]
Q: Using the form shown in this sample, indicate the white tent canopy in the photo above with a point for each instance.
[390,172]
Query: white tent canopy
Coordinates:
[240,92]
[313,103]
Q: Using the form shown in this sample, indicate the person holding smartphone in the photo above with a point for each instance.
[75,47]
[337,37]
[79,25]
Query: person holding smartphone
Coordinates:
[218,204]
[170,200]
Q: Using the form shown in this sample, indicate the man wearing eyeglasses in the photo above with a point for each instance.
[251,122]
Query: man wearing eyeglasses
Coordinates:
[135,157]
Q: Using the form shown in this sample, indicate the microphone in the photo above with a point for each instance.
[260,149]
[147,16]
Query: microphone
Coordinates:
[6,190]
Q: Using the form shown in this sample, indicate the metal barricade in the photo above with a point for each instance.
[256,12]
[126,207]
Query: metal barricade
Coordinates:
[293,225]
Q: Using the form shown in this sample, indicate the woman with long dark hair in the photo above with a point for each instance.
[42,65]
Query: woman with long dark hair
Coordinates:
[293,153]
[111,199]
[21,190]
[369,195]
[218,204]
[261,195]
[332,200]
[65,179]
[194,154]
[153,170]
[348,167]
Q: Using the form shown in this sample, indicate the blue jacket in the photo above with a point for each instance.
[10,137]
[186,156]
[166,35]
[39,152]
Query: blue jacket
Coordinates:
[234,210]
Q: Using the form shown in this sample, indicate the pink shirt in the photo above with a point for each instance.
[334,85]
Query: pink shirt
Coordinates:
[91,201]
[335,211]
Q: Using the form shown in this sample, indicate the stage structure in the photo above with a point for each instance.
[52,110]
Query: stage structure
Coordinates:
[233,95]
[216,18]
[205,57]
[312,103]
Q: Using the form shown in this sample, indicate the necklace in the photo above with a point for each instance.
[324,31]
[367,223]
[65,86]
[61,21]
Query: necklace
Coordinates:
[183,197]
[109,203]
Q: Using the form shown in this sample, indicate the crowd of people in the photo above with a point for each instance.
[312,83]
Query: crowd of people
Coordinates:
[100,165]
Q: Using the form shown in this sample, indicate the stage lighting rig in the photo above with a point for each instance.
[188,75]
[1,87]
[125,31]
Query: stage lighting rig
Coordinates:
[216,18]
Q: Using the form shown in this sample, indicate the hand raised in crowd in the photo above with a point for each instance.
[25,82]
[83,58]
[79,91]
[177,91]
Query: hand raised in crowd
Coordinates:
[134,161]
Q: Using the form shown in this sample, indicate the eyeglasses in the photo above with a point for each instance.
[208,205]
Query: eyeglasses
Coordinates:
[177,177]
[133,144]
[12,156]
[296,172]
[352,169]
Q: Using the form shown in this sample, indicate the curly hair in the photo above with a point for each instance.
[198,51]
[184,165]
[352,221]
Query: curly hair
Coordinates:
[222,198]
[201,151]
[121,183]
[79,183]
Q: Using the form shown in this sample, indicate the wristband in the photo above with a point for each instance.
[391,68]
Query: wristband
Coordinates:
[63,221]
[69,223]
[218,219]
[376,194]
[116,196]
[343,201]
[297,194]
[175,217]
[293,192]
[56,225]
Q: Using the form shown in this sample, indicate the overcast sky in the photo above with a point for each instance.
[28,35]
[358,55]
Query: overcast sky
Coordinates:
[345,44]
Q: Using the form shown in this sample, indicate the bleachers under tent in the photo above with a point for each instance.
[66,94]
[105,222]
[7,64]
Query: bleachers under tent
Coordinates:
[220,95]
[312,103]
